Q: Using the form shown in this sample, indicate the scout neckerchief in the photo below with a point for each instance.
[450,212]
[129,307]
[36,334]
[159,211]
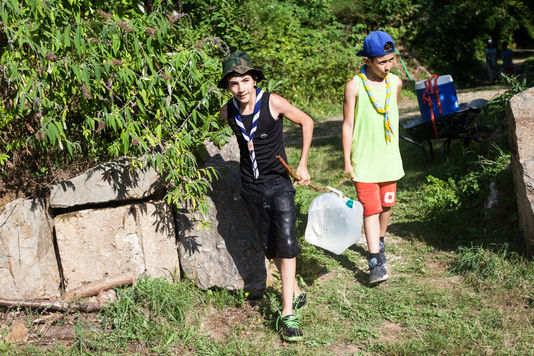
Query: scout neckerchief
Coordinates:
[250,136]
[378,107]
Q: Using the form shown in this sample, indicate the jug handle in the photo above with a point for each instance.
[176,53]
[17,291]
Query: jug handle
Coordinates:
[335,191]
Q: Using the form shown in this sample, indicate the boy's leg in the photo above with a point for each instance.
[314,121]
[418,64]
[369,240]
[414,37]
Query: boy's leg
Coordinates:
[283,226]
[287,268]
[372,228]
[375,226]
[272,209]
[369,196]
[374,197]
[300,299]
[285,247]
[388,194]
[376,200]
[384,219]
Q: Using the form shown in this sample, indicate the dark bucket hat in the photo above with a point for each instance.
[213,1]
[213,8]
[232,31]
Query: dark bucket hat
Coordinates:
[238,62]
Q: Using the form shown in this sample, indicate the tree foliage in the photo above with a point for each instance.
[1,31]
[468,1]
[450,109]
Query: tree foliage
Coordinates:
[448,36]
[101,79]
[463,30]
[79,80]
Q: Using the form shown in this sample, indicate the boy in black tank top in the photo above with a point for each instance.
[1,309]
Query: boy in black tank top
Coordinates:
[256,119]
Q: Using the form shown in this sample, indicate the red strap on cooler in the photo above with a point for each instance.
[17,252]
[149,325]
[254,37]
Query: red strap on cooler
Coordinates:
[436,93]
[432,90]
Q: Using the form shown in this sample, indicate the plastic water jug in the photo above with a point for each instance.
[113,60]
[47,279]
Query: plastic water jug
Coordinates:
[334,222]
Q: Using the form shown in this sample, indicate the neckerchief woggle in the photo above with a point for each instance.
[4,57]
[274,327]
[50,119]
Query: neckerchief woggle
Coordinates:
[378,107]
[249,137]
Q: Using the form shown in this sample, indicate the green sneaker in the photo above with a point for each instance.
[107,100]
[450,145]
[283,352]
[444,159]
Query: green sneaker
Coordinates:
[300,301]
[288,326]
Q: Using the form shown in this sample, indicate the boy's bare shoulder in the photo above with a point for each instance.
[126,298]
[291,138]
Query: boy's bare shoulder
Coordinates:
[276,99]
[399,81]
[351,87]
[278,103]
[351,82]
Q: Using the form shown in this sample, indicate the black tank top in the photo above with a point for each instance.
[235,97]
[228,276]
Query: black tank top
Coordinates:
[268,142]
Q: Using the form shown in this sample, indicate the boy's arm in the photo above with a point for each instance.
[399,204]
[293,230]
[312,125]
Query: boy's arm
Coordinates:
[399,89]
[349,103]
[280,106]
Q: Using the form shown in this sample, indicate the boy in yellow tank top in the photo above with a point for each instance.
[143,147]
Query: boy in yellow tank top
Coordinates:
[370,137]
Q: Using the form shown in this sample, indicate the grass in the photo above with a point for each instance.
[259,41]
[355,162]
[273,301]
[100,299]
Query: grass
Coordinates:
[459,283]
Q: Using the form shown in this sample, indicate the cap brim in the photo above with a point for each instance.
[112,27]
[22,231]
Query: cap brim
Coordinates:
[363,54]
[259,76]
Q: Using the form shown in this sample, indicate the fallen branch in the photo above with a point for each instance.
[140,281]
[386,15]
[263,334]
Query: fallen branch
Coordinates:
[103,288]
[297,177]
[57,305]
[93,288]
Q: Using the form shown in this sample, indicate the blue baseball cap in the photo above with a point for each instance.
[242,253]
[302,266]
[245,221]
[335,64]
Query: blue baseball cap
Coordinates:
[374,43]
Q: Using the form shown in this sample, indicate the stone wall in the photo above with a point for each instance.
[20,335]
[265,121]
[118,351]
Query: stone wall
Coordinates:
[28,265]
[111,220]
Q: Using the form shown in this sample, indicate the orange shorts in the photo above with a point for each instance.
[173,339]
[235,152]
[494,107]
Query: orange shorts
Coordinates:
[375,196]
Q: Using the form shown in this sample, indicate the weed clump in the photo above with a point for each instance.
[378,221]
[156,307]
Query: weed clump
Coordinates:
[494,265]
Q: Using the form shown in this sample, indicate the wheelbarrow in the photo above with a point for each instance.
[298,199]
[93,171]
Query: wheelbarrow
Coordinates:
[452,126]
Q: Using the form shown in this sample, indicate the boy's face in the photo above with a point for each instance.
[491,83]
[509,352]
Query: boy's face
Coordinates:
[379,67]
[242,87]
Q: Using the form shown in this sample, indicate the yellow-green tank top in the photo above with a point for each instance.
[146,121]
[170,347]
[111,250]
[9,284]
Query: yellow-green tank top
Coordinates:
[373,158]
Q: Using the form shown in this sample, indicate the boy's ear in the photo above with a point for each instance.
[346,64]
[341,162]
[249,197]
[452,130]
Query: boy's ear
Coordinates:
[367,60]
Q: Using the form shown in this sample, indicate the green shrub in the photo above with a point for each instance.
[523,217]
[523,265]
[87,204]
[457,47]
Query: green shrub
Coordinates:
[441,195]
[122,82]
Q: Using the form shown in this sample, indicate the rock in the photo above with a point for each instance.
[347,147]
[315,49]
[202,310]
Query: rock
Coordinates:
[493,198]
[137,238]
[229,254]
[28,264]
[107,296]
[520,111]
[228,153]
[19,333]
[58,332]
[109,182]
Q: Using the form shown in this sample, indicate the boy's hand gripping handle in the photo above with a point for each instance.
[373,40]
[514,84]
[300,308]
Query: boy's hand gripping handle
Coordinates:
[296,177]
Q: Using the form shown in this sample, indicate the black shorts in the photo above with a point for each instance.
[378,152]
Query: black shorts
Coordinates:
[271,205]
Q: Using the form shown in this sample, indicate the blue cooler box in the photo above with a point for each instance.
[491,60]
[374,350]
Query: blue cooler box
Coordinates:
[447,96]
